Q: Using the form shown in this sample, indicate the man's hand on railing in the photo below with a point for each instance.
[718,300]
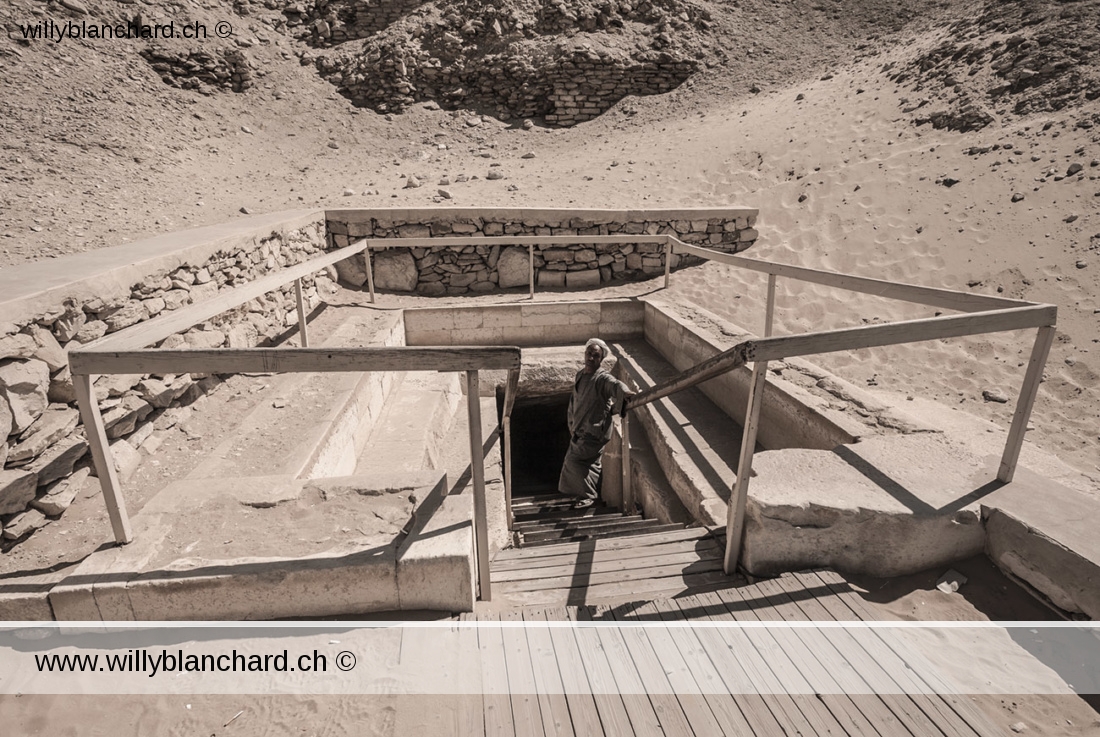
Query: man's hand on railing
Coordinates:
[626,398]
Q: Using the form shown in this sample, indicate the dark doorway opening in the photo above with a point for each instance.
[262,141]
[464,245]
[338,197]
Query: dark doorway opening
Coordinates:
[540,439]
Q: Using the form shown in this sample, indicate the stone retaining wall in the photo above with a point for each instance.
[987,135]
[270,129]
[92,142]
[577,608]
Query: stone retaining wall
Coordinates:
[485,268]
[41,440]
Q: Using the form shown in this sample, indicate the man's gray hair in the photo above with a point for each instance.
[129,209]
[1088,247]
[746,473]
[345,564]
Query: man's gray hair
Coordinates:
[604,350]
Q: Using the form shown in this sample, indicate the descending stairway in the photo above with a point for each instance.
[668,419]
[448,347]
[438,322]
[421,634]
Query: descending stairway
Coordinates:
[547,519]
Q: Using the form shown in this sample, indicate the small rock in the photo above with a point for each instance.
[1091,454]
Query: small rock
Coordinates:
[1081,263]
[278,404]
[349,192]
[246,129]
[445,194]
[333,145]
[413,183]
[245,211]
[473,122]
[1018,727]
[528,155]
[494,174]
[512,188]
[1017,197]
[802,197]
[949,182]
[799,97]
[1073,169]
[528,124]
[994,395]
[1069,219]
[950,582]
[444,181]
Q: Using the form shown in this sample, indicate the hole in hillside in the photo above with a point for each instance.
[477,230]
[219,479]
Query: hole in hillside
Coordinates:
[539,441]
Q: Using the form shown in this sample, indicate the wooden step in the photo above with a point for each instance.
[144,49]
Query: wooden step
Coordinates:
[526,518]
[591,522]
[573,547]
[555,537]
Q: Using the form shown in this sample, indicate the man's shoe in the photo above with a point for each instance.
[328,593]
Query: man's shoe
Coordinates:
[583,503]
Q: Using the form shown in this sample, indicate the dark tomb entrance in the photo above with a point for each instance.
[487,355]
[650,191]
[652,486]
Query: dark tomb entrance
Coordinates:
[539,441]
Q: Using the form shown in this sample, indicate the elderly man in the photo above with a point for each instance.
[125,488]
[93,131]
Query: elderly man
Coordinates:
[597,396]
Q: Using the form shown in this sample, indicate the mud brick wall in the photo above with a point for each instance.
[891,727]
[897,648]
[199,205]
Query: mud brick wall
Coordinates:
[43,451]
[585,87]
[485,268]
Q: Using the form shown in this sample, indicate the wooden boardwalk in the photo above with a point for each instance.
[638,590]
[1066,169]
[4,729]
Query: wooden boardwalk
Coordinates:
[692,680]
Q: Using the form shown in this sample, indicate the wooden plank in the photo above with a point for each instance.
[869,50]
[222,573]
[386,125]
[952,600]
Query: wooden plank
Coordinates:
[894,670]
[624,460]
[769,309]
[531,271]
[370,271]
[660,538]
[618,592]
[802,694]
[585,567]
[102,458]
[697,374]
[678,715]
[470,719]
[918,667]
[168,323]
[834,675]
[931,296]
[565,686]
[498,705]
[289,360]
[735,658]
[1024,404]
[726,707]
[906,331]
[600,576]
[707,547]
[735,512]
[301,302]
[879,684]
[606,654]
[477,473]
[522,682]
[580,667]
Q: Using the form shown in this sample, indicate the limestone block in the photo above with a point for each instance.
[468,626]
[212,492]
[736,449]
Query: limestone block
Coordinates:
[48,350]
[176,298]
[352,271]
[114,385]
[154,305]
[122,419]
[61,387]
[513,268]
[129,314]
[462,280]
[204,339]
[17,488]
[203,292]
[126,458]
[92,330]
[155,392]
[748,234]
[24,384]
[60,494]
[54,424]
[395,269]
[59,459]
[431,289]
[413,231]
[551,278]
[243,336]
[582,279]
[69,324]
[24,524]
[20,345]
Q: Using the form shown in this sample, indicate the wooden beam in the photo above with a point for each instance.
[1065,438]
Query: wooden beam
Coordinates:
[668,260]
[294,360]
[509,402]
[102,458]
[909,331]
[513,240]
[169,323]
[769,311]
[628,489]
[370,273]
[531,270]
[932,296]
[300,299]
[708,369]
[1032,378]
[735,515]
[477,473]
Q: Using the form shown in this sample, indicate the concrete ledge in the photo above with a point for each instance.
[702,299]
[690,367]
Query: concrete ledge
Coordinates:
[1044,534]
[435,564]
[888,506]
[525,325]
[34,288]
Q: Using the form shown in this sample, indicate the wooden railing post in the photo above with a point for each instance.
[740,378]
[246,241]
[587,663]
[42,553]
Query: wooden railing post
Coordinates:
[769,313]
[531,270]
[370,273]
[477,473]
[101,456]
[628,489]
[510,389]
[301,312]
[1032,378]
[735,517]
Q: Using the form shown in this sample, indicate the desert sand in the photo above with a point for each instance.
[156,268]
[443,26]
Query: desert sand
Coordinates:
[98,151]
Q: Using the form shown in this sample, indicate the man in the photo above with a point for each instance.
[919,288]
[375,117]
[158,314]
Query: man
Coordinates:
[597,396]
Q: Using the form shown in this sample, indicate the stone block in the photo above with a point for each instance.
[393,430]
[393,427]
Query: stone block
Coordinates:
[60,494]
[92,330]
[17,489]
[24,524]
[54,424]
[352,271]
[129,314]
[582,279]
[24,384]
[48,350]
[513,268]
[550,279]
[20,345]
[416,230]
[395,269]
